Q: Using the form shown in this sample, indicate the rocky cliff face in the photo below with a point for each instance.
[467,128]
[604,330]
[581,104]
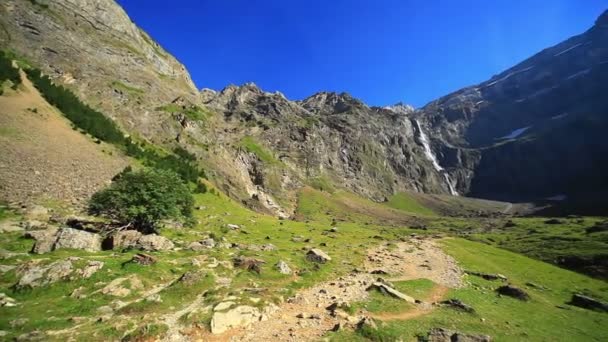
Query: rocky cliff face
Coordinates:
[535,130]
[499,139]
[93,47]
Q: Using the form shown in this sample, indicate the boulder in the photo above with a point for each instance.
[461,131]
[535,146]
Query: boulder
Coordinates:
[35,275]
[90,269]
[250,264]
[317,255]
[191,277]
[154,243]
[444,335]
[458,305]
[588,303]
[366,323]
[385,289]
[241,316]
[487,276]
[223,306]
[45,239]
[125,239]
[143,259]
[513,291]
[282,267]
[202,245]
[77,239]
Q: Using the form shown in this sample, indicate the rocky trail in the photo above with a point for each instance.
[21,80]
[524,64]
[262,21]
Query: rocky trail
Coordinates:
[315,311]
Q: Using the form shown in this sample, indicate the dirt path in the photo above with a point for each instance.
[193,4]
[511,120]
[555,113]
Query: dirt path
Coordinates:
[304,317]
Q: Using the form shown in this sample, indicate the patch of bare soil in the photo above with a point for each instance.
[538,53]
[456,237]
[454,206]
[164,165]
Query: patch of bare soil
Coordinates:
[304,317]
[41,156]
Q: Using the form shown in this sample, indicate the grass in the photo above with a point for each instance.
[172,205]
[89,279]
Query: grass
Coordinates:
[403,201]
[380,303]
[505,318]
[250,144]
[126,88]
[193,113]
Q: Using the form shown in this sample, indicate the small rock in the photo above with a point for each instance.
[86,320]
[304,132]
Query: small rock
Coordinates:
[366,323]
[588,303]
[317,255]
[443,335]
[233,226]
[90,269]
[301,315]
[283,267]
[223,306]
[191,277]
[458,304]
[144,259]
[513,291]
[386,289]
[16,323]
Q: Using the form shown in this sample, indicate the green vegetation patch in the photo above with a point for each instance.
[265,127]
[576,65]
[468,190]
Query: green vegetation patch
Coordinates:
[407,203]
[7,72]
[251,145]
[127,88]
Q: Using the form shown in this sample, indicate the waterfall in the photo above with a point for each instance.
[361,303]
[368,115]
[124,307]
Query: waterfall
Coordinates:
[433,159]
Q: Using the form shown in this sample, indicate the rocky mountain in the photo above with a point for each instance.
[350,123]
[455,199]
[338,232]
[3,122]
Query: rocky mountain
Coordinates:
[499,139]
[534,131]
[93,47]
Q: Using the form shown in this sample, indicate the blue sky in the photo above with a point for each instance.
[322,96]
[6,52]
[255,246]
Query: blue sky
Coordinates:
[381,51]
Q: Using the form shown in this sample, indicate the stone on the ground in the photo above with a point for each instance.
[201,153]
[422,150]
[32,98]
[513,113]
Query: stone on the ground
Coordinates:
[223,306]
[34,275]
[444,335]
[125,239]
[588,302]
[191,277]
[117,286]
[386,289]
[317,255]
[487,276]
[458,304]
[90,269]
[6,301]
[241,316]
[282,267]
[10,227]
[233,226]
[37,212]
[77,239]
[144,259]
[45,239]
[250,264]
[513,291]
[366,323]
[268,247]
[153,243]
[202,245]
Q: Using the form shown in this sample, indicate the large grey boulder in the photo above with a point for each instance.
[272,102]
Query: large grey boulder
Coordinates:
[77,239]
[125,239]
[45,239]
[35,275]
[154,242]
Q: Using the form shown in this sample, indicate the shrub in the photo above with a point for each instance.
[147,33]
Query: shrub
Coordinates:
[143,198]
[7,72]
[83,116]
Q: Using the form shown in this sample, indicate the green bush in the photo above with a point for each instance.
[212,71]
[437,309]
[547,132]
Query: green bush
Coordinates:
[99,126]
[7,72]
[83,116]
[143,198]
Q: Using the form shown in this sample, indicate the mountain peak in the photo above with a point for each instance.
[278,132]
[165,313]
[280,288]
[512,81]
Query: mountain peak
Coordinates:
[400,108]
[602,20]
